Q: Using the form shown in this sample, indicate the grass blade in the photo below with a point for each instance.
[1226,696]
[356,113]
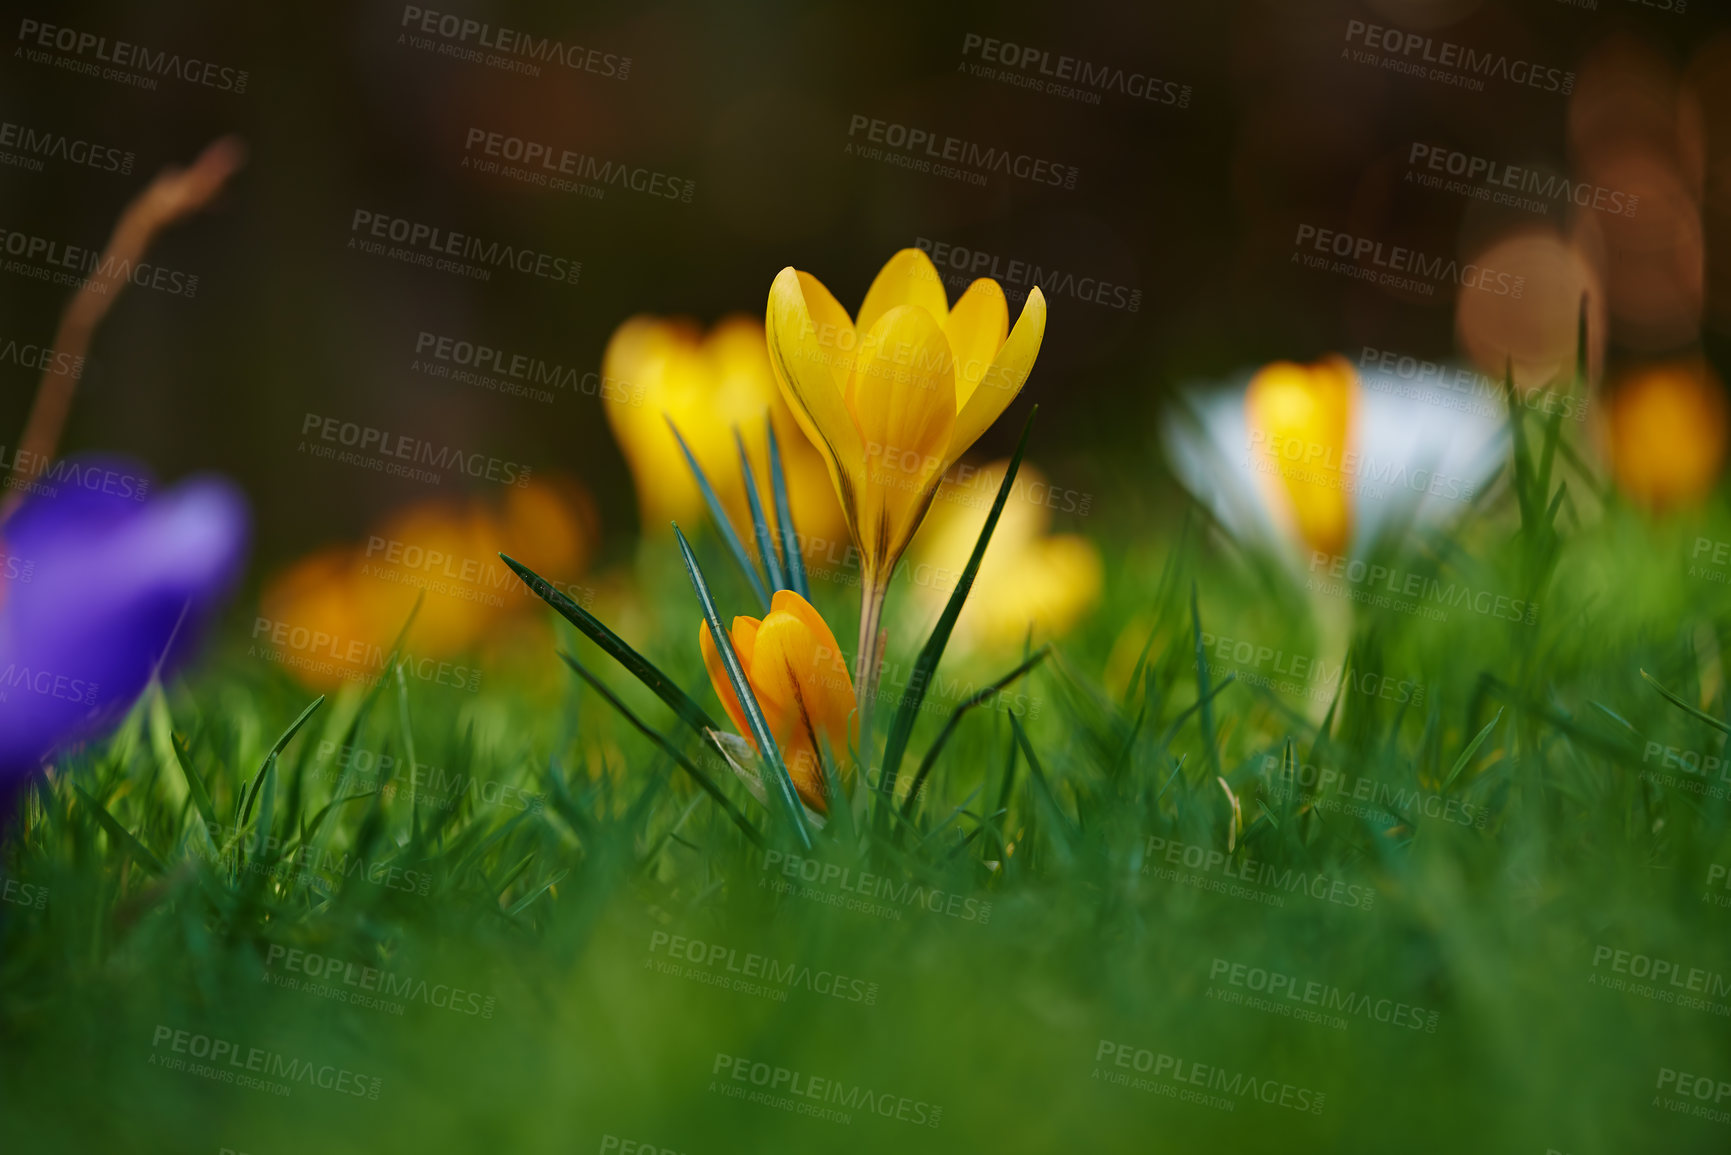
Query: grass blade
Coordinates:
[976,699]
[703,780]
[759,524]
[719,515]
[635,664]
[1472,748]
[122,836]
[1684,706]
[780,782]
[902,728]
[791,559]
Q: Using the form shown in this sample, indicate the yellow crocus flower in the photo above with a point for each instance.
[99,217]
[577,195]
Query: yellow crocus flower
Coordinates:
[893,396]
[800,681]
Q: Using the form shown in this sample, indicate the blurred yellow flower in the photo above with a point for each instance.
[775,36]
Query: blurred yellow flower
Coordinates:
[1667,433]
[1300,421]
[1323,457]
[709,384]
[1027,577]
[800,681]
[331,617]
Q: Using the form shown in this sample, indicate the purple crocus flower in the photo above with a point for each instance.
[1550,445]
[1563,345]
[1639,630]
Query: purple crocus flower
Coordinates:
[102,583]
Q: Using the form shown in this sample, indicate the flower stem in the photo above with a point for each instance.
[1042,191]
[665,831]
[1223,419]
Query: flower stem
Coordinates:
[872,592]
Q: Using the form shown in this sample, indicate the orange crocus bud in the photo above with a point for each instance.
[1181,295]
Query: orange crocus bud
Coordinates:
[800,680]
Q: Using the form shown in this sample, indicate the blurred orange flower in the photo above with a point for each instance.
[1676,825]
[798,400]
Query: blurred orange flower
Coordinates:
[332,616]
[1667,433]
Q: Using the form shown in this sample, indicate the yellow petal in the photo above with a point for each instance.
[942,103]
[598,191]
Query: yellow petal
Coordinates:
[903,398]
[1004,380]
[826,685]
[908,278]
[1300,421]
[720,681]
[976,329]
[811,349]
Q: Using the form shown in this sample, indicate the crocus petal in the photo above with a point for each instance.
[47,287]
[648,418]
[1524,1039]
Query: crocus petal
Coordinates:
[718,679]
[976,329]
[116,588]
[811,349]
[793,674]
[826,686]
[908,278]
[1420,456]
[1004,380]
[1300,421]
[903,397]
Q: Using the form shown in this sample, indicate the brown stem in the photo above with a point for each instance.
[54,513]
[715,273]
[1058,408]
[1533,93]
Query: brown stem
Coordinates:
[872,592]
[173,195]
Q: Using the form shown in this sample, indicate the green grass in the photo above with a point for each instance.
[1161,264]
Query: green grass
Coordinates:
[1040,839]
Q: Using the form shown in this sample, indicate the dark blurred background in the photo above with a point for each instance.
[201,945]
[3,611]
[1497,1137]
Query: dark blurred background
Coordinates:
[1187,208]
